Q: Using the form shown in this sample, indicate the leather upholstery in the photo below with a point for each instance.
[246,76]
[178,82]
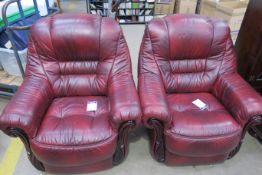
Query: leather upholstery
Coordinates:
[239,97]
[187,57]
[27,108]
[71,124]
[74,59]
[189,120]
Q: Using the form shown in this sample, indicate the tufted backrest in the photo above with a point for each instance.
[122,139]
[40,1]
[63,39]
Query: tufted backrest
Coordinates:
[77,53]
[187,51]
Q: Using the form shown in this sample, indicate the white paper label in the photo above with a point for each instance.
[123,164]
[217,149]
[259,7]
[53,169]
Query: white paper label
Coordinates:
[200,104]
[91,106]
[8,45]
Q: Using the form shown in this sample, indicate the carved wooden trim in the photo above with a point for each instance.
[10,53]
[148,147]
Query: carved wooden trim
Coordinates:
[158,145]
[16,132]
[256,131]
[122,142]
[253,122]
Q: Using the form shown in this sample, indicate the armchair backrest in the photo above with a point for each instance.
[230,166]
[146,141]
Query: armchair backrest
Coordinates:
[189,52]
[77,53]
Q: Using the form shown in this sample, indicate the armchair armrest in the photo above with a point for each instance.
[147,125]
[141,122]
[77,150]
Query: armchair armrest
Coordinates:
[153,99]
[26,109]
[124,101]
[238,97]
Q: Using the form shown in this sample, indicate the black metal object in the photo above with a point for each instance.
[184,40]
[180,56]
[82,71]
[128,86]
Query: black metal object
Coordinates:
[122,142]
[9,28]
[198,6]
[87,6]
[10,36]
[7,90]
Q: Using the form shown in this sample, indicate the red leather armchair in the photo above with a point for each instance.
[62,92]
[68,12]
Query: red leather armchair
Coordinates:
[189,57]
[74,59]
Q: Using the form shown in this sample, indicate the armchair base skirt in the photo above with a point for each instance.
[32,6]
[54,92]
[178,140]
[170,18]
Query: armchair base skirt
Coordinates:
[119,152]
[161,154]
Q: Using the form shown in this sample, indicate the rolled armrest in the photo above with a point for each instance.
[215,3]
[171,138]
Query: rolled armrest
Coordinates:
[26,109]
[124,101]
[238,97]
[153,99]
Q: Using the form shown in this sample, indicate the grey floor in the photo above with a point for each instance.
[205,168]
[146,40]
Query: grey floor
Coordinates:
[247,162]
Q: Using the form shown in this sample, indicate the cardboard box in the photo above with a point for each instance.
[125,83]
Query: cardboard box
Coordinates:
[164,7]
[186,6]
[208,7]
[234,36]
[232,12]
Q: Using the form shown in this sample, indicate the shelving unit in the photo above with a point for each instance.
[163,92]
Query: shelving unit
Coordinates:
[128,12]
[99,7]
[135,11]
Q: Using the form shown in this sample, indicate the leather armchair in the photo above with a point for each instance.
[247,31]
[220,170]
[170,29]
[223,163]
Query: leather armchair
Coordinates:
[74,59]
[184,58]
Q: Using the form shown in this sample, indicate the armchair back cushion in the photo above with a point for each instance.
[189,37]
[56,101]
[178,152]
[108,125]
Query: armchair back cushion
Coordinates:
[56,53]
[179,46]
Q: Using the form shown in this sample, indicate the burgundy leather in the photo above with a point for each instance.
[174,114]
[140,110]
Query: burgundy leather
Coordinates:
[177,160]
[71,124]
[27,108]
[188,57]
[150,84]
[73,59]
[191,121]
[239,97]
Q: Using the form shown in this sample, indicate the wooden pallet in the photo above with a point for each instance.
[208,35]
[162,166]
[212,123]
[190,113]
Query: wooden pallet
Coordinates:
[7,79]
[9,83]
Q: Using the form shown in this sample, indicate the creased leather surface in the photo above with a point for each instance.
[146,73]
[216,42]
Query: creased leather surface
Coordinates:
[187,57]
[194,131]
[73,59]
[27,108]
[74,155]
[189,120]
[71,124]
[150,85]
[124,101]
[178,160]
[238,96]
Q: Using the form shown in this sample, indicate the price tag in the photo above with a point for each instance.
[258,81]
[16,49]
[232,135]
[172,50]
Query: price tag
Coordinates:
[91,106]
[200,104]
[8,45]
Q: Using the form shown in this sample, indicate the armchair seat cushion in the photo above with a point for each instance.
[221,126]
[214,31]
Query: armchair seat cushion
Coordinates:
[196,132]
[68,130]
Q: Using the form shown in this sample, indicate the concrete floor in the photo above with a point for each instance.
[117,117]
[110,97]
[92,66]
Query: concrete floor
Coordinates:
[247,162]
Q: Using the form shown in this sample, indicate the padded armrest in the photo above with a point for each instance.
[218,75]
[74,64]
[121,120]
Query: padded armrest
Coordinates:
[124,101]
[153,99]
[27,107]
[238,97]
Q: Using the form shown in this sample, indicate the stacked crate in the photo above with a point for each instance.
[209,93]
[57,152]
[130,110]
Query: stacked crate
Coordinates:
[164,7]
[232,11]
[186,6]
